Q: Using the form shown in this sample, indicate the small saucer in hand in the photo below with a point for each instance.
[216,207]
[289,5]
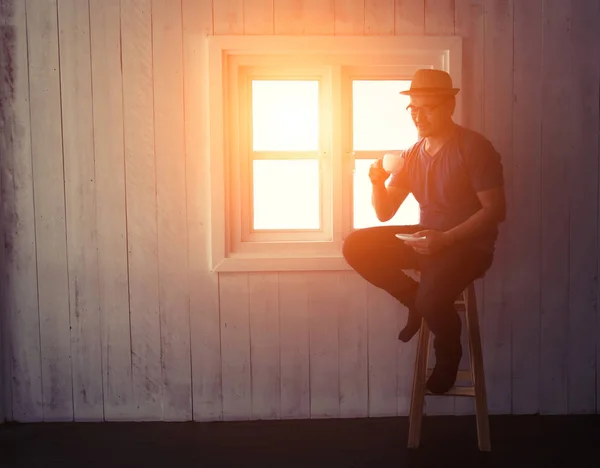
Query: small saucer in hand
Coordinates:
[409,237]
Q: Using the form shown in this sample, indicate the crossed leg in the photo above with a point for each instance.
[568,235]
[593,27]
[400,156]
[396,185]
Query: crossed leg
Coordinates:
[380,258]
[443,277]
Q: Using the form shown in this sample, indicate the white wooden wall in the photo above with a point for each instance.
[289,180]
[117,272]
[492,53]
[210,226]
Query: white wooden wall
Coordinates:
[108,309]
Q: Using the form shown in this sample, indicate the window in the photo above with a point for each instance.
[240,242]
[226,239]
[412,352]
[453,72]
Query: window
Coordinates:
[295,123]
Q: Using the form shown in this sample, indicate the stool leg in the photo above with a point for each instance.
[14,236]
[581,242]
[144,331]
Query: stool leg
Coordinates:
[418,391]
[481,409]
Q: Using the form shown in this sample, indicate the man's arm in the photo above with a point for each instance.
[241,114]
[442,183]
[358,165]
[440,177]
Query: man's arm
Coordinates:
[492,212]
[387,200]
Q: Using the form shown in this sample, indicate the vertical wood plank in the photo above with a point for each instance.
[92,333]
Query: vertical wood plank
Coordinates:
[7,36]
[4,359]
[469,24]
[439,21]
[204,285]
[52,331]
[288,17]
[235,325]
[349,17]
[234,296]
[228,16]
[4,307]
[258,17]
[80,199]
[383,327]
[523,282]
[598,266]
[20,335]
[171,200]
[498,125]
[318,16]
[294,345]
[353,347]
[107,89]
[439,17]
[379,17]
[557,148]
[409,17]
[583,207]
[323,331]
[264,345]
[304,16]
[140,179]
[598,288]
[235,339]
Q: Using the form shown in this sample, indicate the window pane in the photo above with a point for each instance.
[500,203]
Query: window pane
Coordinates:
[285,115]
[380,121]
[364,213]
[286,194]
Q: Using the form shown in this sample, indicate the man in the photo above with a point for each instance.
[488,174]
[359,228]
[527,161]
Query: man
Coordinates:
[456,176]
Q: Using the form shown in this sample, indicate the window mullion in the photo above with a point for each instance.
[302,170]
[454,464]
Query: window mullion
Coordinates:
[337,154]
[326,153]
[246,212]
[346,153]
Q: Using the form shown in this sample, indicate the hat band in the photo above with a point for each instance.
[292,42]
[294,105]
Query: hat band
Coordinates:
[429,90]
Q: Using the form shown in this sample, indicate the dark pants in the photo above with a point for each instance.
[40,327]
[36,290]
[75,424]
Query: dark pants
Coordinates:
[379,257]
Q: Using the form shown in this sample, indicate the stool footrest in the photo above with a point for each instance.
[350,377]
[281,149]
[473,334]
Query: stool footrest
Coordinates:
[456,391]
[461,375]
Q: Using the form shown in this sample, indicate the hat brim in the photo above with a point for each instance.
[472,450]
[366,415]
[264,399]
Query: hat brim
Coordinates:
[431,92]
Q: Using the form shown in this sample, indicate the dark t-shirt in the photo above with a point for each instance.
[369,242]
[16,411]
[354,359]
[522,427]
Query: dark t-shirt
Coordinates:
[446,185]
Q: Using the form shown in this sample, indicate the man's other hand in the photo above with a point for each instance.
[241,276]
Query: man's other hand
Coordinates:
[434,242]
[377,173]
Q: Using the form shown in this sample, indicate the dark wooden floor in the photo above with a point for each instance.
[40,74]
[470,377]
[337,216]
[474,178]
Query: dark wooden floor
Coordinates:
[517,441]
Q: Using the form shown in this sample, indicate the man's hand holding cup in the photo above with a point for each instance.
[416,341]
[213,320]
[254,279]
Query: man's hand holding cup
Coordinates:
[377,173]
[381,169]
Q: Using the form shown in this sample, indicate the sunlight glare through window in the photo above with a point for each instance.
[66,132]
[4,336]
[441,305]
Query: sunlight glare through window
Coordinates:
[380,121]
[285,115]
[286,194]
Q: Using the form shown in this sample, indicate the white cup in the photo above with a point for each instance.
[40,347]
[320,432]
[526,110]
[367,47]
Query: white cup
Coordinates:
[393,162]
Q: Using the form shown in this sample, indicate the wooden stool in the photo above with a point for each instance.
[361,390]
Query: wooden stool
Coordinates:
[465,303]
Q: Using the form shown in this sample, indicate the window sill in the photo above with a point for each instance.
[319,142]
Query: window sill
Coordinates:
[247,263]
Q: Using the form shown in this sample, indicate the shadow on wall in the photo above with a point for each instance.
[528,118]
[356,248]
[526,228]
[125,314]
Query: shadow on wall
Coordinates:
[8,128]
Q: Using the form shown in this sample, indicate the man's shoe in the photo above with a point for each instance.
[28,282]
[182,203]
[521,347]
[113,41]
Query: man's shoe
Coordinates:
[444,373]
[413,324]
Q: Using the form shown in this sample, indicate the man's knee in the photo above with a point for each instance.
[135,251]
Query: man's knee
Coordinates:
[352,246]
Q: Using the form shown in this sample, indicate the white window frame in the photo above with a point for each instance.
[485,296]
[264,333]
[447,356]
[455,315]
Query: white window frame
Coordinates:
[339,58]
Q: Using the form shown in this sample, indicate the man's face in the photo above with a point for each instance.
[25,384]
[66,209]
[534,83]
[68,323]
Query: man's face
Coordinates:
[431,114]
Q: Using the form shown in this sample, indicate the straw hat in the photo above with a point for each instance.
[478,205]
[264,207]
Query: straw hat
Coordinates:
[427,81]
